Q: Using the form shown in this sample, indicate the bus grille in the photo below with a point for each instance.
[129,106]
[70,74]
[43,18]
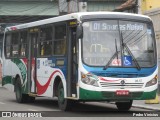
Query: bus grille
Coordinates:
[118,85]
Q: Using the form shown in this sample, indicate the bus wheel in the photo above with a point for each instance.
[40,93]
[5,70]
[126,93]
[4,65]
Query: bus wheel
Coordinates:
[20,97]
[64,104]
[124,106]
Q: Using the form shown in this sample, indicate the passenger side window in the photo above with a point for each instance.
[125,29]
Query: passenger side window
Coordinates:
[23,43]
[8,45]
[15,44]
[45,42]
[60,40]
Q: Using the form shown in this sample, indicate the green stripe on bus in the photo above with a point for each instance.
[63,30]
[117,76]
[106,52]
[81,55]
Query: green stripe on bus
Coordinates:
[23,71]
[21,67]
[7,80]
[90,95]
[96,95]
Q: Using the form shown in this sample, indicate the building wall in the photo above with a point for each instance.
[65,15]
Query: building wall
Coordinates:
[147,5]
[103,5]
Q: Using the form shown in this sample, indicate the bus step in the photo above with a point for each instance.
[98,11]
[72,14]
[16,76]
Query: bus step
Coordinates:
[32,94]
[72,98]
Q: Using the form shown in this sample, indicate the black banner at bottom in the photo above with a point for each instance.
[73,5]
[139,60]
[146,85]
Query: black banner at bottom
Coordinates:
[78,114]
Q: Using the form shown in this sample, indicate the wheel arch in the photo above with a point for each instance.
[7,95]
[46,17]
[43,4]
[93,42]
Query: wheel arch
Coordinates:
[55,84]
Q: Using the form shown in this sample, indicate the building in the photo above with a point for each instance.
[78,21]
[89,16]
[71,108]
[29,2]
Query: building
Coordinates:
[20,11]
[130,6]
[147,5]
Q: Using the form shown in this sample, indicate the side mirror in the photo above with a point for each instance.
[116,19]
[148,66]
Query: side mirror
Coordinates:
[79,32]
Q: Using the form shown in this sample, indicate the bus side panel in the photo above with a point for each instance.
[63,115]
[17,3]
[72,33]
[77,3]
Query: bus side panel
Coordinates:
[7,80]
[43,74]
[47,71]
[15,68]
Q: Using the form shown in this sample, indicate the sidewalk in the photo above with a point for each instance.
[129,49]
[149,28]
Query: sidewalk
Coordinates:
[142,104]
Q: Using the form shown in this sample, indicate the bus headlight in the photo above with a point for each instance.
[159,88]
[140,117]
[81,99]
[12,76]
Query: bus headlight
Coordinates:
[152,82]
[89,79]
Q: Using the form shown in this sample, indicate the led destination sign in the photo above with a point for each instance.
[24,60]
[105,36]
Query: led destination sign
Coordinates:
[103,26]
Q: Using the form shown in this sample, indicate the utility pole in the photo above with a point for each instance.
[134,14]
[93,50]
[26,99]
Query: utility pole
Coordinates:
[82,5]
[72,6]
[139,7]
[62,6]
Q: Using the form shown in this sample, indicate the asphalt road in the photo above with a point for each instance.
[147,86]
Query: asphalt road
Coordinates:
[49,107]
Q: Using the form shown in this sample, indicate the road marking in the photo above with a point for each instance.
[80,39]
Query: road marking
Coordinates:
[2,103]
[32,110]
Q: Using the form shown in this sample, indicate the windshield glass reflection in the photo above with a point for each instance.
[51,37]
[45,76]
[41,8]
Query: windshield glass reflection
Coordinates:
[102,39]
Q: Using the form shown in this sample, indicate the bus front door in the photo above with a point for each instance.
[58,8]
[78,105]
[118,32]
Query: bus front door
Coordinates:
[32,62]
[72,63]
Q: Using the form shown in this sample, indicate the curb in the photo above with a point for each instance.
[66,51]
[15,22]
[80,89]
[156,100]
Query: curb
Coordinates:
[145,107]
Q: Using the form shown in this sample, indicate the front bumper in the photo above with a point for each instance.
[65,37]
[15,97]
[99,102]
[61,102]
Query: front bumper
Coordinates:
[103,95]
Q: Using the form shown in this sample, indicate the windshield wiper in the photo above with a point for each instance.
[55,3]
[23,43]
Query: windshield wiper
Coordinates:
[124,45]
[114,55]
[134,59]
[110,60]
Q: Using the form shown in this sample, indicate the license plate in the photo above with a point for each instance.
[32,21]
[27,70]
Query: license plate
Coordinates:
[122,92]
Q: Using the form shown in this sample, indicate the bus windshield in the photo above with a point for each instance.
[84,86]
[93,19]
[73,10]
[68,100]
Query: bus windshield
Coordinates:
[118,43]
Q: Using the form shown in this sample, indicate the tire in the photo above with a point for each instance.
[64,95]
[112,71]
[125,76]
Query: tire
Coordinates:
[64,104]
[124,106]
[20,97]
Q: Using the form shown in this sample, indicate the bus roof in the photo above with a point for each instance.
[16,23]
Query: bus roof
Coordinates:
[77,16]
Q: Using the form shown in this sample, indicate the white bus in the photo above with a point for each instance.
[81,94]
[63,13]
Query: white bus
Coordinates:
[90,56]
